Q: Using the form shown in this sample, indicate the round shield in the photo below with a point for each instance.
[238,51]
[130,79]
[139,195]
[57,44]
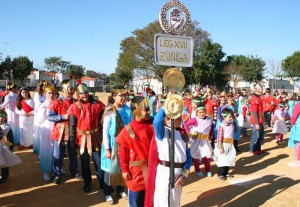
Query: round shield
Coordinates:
[174,79]
[174,106]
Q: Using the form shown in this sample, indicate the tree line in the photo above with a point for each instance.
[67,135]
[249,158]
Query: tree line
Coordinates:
[210,64]
[19,68]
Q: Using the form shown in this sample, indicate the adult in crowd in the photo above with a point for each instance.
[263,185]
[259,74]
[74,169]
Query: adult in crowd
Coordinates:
[257,120]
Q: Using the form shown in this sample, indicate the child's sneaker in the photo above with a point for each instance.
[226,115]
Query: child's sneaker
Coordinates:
[200,174]
[122,195]
[109,200]
[222,177]
[229,175]
[209,174]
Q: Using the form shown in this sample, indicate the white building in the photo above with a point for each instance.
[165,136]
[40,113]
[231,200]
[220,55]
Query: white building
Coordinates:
[145,78]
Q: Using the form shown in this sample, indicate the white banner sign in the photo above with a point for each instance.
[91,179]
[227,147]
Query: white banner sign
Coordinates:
[173,50]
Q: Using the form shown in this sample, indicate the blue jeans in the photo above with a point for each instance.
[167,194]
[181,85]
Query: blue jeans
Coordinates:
[58,162]
[257,138]
[136,199]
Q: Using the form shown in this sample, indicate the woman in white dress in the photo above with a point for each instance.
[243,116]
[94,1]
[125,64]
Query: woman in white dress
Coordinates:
[38,98]
[46,143]
[24,108]
[9,105]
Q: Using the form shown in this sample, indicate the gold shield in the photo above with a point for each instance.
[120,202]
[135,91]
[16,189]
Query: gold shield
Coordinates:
[174,106]
[173,80]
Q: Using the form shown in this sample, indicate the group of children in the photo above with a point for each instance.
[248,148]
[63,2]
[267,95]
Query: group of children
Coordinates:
[135,133]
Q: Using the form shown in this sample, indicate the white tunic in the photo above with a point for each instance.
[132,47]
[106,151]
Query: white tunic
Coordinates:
[9,105]
[26,125]
[201,148]
[46,143]
[38,100]
[227,159]
[279,124]
[7,158]
[163,172]
[244,123]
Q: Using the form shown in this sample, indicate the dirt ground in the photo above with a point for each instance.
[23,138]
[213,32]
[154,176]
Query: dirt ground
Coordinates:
[265,180]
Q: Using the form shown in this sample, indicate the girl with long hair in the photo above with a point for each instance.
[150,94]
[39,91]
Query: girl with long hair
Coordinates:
[25,109]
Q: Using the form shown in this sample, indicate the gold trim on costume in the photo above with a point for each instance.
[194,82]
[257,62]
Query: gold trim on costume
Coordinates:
[199,136]
[228,140]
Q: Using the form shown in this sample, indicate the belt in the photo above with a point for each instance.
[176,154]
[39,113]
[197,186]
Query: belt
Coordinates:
[86,138]
[142,164]
[199,136]
[87,132]
[168,164]
[228,140]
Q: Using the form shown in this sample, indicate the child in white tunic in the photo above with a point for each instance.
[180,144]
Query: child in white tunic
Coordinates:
[25,109]
[182,159]
[225,154]
[279,118]
[7,157]
[200,130]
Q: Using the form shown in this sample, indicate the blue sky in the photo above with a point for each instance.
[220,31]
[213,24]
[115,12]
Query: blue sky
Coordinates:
[89,32]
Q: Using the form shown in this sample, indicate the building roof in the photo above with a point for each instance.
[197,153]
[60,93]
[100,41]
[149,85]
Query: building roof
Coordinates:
[86,78]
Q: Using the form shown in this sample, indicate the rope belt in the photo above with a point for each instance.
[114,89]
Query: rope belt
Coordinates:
[168,164]
[86,137]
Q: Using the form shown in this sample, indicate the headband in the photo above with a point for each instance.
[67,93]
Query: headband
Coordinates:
[24,89]
[225,114]
[116,91]
[200,107]
[196,101]
[3,115]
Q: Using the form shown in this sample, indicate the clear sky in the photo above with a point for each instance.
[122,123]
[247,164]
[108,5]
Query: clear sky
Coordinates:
[89,32]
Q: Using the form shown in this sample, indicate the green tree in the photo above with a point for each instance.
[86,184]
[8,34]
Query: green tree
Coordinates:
[136,51]
[235,66]
[92,74]
[291,65]
[114,79]
[21,68]
[15,69]
[56,64]
[254,70]
[6,68]
[208,67]
[76,70]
